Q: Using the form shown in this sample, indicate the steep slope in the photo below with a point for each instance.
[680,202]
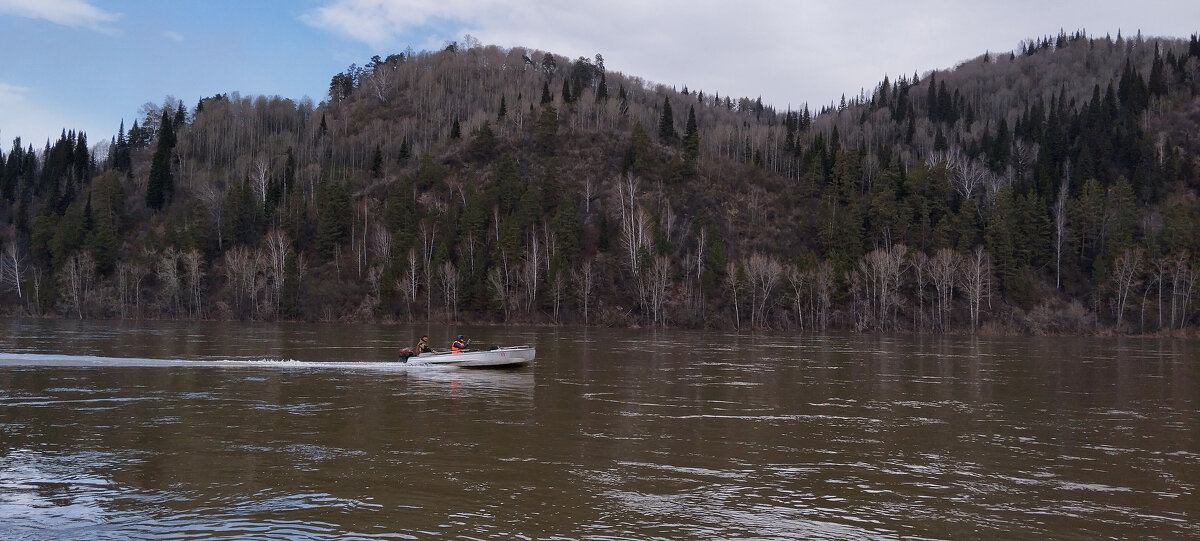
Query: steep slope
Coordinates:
[1051,190]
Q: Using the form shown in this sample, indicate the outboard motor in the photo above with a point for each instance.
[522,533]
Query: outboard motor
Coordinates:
[405,353]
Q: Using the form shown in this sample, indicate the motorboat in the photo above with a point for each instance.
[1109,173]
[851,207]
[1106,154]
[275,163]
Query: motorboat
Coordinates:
[477,358]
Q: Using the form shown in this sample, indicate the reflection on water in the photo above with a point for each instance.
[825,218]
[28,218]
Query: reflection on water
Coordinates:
[314,432]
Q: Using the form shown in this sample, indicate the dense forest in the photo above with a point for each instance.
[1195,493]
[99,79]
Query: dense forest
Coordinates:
[1050,189]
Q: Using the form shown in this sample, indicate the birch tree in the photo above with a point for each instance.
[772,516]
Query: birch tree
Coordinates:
[798,282]
[1183,283]
[260,176]
[501,291]
[764,273]
[276,247]
[130,275]
[428,234]
[734,285]
[659,280]
[1126,269]
[975,279]
[449,276]
[1060,225]
[585,279]
[166,269]
[77,276]
[240,268]
[557,288]
[13,268]
[636,232]
[921,266]
[823,289]
[193,270]
[410,280]
[943,271]
[213,198]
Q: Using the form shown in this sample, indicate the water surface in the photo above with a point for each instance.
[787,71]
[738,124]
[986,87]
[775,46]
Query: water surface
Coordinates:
[174,430]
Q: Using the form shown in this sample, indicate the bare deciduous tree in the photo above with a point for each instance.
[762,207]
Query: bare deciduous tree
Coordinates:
[449,276]
[13,268]
[1126,268]
[1183,282]
[942,270]
[878,283]
[213,197]
[823,286]
[276,247]
[130,275]
[531,266]
[77,276]
[557,288]
[241,266]
[798,282]
[764,273]
[166,269]
[411,280]
[1060,224]
[260,176]
[193,270]
[636,233]
[921,265]
[428,234]
[975,280]
[381,243]
[501,290]
[734,285]
[658,282]
[585,278]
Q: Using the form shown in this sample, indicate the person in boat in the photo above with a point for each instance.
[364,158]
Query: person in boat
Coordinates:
[422,347]
[459,345]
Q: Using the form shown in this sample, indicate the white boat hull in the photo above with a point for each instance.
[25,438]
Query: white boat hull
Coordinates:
[507,356]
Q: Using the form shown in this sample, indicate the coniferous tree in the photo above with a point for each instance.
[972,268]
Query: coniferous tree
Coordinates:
[602,89]
[691,142]
[161,185]
[483,144]
[333,216]
[377,161]
[10,177]
[405,151]
[666,123]
[546,134]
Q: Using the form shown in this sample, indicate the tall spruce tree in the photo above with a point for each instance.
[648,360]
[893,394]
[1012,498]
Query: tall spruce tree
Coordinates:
[161,185]
[691,142]
[666,123]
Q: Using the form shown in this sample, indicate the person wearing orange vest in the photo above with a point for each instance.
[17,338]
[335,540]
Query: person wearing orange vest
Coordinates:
[459,345]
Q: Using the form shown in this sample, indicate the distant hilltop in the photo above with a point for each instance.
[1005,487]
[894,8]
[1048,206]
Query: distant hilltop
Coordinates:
[1051,189]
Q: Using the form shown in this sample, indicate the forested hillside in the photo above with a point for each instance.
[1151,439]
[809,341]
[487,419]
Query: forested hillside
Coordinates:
[1052,189]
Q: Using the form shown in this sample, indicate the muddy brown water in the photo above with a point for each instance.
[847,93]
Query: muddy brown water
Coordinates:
[178,430]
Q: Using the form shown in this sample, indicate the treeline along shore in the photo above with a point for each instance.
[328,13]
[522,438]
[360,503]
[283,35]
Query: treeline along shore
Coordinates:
[1047,190]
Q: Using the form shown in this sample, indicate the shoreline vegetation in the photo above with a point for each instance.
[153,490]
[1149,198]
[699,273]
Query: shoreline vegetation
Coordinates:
[1050,190]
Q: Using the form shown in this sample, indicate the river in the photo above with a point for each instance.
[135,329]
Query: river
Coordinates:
[148,430]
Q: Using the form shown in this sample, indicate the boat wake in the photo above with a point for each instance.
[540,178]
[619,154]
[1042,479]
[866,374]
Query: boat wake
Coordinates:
[94,361]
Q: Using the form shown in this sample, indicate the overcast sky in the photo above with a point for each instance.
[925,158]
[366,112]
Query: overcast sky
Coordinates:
[88,64]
